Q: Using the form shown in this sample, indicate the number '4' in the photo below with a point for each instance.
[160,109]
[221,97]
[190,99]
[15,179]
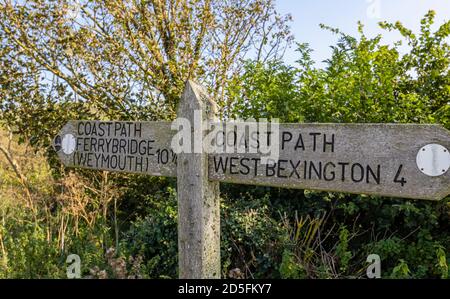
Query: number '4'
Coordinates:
[397,175]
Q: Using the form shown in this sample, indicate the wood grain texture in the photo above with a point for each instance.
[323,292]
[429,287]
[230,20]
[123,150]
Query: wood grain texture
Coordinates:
[198,198]
[377,159]
[148,152]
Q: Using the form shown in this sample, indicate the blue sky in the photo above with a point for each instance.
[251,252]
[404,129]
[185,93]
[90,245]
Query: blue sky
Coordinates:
[344,14]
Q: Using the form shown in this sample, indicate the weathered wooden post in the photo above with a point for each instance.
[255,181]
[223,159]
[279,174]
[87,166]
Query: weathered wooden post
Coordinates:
[198,198]
[396,160]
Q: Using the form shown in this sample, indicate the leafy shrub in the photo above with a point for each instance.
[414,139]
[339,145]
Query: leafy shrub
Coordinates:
[154,237]
[251,239]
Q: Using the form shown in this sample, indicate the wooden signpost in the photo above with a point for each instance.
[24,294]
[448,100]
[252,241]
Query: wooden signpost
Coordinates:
[377,159]
[395,160]
[138,147]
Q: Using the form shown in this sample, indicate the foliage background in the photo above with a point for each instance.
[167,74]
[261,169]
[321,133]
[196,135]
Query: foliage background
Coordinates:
[124,226]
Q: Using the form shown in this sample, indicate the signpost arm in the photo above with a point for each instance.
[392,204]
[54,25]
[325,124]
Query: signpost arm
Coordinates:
[198,198]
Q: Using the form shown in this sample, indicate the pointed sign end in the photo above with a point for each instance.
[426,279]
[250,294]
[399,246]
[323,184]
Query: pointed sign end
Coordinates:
[196,97]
